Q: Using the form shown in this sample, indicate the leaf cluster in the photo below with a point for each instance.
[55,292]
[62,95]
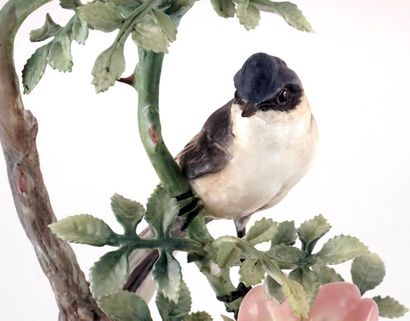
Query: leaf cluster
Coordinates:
[248,12]
[110,272]
[152,25]
[307,267]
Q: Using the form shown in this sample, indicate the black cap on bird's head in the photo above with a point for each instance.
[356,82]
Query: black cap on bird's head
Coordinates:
[265,82]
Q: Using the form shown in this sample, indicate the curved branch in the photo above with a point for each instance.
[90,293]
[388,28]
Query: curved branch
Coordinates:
[18,130]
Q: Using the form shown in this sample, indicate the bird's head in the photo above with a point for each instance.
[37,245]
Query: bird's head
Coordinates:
[266,83]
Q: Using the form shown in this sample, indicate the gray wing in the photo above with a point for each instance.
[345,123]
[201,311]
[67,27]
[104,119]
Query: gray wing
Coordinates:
[208,152]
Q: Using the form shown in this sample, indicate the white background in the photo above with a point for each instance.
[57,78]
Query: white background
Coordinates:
[356,72]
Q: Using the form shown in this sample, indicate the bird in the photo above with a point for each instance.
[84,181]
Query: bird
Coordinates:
[251,151]
[255,148]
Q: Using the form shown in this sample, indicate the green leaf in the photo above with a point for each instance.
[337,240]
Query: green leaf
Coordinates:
[262,231]
[79,29]
[125,306]
[127,212]
[85,229]
[151,35]
[70,4]
[224,8]
[248,14]
[288,11]
[198,316]
[308,279]
[389,307]
[340,249]
[171,311]
[225,318]
[110,273]
[108,67]
[297,299]
[101,16]
[367,271]
[34,68]
[285,234]
[59,56]
[162,210]
[311,231]
[251,272]
[326,274]
[274,290]
[227,253]
[166,24]
[285,255]
[49,29]
[167,274]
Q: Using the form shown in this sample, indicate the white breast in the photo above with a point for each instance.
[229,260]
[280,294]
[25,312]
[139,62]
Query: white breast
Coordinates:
[271,151]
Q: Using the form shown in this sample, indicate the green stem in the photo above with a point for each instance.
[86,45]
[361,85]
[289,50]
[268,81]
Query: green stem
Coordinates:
[186,245]
[147,78]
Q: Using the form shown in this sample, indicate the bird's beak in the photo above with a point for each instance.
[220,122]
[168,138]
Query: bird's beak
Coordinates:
[249,109]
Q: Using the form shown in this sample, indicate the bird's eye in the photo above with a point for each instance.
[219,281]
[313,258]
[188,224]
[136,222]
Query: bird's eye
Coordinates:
[283,97]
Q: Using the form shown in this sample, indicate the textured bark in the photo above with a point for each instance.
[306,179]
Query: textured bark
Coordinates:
[18,130]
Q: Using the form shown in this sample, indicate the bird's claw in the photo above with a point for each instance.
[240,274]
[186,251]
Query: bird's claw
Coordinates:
[190,209]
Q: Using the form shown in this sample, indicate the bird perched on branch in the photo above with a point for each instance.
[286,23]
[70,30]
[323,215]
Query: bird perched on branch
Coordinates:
[254,149]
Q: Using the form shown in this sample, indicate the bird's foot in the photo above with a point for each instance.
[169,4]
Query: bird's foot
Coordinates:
[191,207]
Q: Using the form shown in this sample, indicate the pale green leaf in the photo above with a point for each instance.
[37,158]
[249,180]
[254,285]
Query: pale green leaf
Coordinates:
[224,8]
[162,210]
[166,24]
[150,36]
[167,274]
[285,234]
[274,290]
[389,307]
[326,274]
[108,67]
[34,68]
[311,231]
[101,15]
[225,318]
[127,212]
[198,316]
[85,229]
[59,55]
[297,298]
[125,306]
[285,255]
[308,279]
[367,271]
[49,29]
[227,253]
[248,14]
[79,29]
[340,249]
[262,231]
[288,11]
[109,273]
[251,272]
[171,311]
[70,4]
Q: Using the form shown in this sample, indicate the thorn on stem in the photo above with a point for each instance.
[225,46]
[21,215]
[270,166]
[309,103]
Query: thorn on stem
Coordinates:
[130,80]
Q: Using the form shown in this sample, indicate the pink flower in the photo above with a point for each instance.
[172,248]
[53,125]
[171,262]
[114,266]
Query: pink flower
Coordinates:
[339,301]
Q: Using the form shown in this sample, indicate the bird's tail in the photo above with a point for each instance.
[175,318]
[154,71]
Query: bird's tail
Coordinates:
[141,262]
